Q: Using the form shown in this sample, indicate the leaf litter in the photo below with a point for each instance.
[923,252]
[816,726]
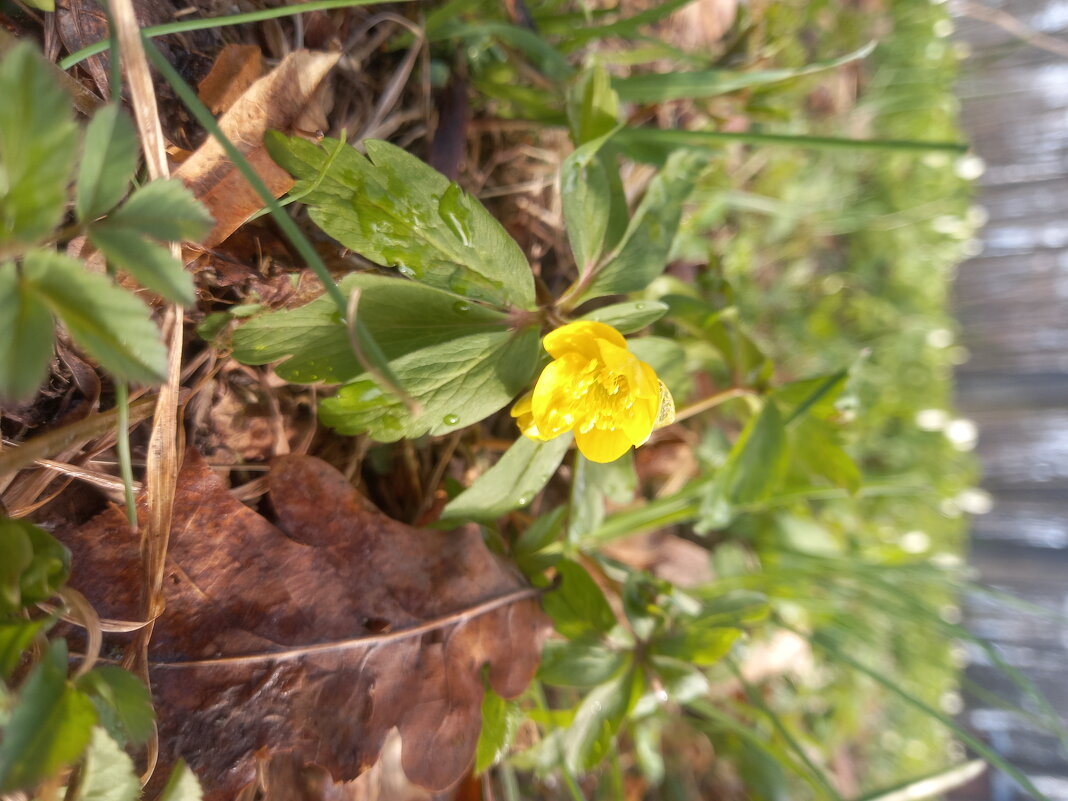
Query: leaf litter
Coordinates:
[314,636]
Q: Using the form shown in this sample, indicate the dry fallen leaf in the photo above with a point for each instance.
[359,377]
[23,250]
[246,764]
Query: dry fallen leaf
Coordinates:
[290,98]
[315,637]
[235,69]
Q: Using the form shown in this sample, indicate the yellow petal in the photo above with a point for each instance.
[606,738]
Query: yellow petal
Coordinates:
[601,445]
[665,414]
[581,337]
[552,401]
[524,418]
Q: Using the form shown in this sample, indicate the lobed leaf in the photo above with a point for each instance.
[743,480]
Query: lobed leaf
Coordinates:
[108,772]
[397,211]
[122,702]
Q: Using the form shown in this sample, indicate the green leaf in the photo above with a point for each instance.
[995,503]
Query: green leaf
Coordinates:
[38,145]
[457,384]
[519,475]
[152,265]
[181,785]
[122,701]
[16,553]
[646,246]
[662,87]
[397,211]
[500,721]
[540,534]
[108,773]
[593,484]
[29,334]
[403,316]
[699,645]
[735,608]
[26,581]
[811,395]
[752,470]
[110,324]
[49,727]
[109,158]
[592,106]
[817,452]
[585,194]
[598,718]
[578,606]
[585,662]
[164,210]
[44,5]
[629,317]
[15,638]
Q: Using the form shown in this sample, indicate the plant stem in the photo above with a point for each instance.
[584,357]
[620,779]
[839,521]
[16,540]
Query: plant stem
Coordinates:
[122,444]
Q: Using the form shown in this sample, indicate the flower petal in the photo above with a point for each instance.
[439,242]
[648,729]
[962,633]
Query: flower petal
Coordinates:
[552,402]
[581,337]
[602,445]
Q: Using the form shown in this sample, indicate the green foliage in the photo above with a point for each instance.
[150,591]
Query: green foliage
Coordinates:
[39,287]
[108,773]
[398,212]
[123,704]
[34,565]
[49,726]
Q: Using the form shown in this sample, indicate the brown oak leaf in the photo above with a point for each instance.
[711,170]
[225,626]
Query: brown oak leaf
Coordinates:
[315,636]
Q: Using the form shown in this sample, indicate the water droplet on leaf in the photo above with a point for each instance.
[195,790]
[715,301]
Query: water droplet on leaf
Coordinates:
[461,306]
[451,419]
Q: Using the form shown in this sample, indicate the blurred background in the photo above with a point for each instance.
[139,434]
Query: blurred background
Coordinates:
[1010,300]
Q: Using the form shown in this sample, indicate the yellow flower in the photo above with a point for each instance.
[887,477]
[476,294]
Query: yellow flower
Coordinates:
[597,388]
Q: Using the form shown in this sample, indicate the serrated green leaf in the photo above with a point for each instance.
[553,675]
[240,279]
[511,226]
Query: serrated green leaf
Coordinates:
[598,719]
[122,701]
[38,145]
[108,773]
[579,663]
[110,324]
[109,158]
[403,316]
[49,726]
[519,475]
[397,211]
[578,606]
[629,317]
[27,334]
[15,638]
[817,452]
[164,210]
[151,264]
[663,87]
[181,785]
[500,721]
[644,250]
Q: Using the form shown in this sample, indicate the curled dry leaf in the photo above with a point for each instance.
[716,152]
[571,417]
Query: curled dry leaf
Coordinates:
[291,98]
[316,636]
[236,68]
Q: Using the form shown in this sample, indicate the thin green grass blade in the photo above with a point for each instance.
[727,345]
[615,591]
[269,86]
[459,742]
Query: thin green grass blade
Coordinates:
[379,365]
[628,26]
[708,716]
[817,775]
[716,139]
[661,87]
[981,748]
[931,785]
[218,22]
[122,444]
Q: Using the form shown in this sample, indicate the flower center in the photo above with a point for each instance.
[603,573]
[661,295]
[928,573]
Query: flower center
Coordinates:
[601,397]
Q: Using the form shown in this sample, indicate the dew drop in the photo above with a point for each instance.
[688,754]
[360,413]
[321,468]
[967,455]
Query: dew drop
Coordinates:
[406,271]
[461,306]
[639,306]
[451,419]
[523,500]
